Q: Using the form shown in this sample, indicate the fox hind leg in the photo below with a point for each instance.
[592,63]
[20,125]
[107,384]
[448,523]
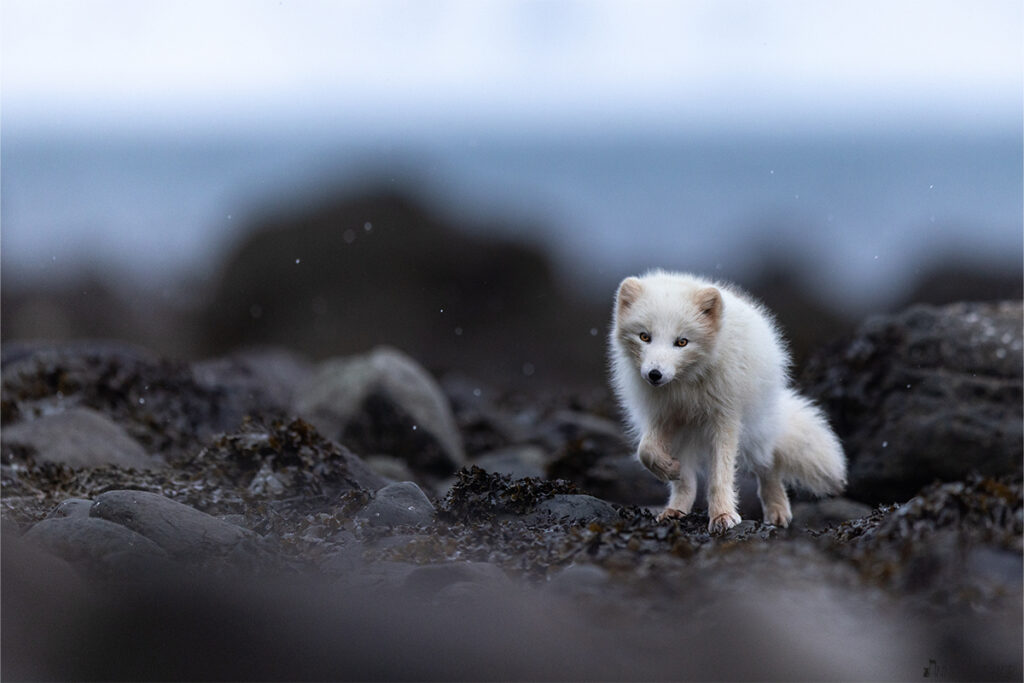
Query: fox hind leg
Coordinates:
[774,500]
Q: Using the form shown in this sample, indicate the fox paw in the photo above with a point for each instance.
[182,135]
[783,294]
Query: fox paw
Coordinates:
[670,513]
[723,522]
[663,467]
[778,515]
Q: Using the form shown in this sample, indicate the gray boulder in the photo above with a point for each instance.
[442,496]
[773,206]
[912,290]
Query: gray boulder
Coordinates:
[79,437]
[928,394]
[572,509]
[97,545]
[383,402]
[182,531]
[402,503]
[71,507]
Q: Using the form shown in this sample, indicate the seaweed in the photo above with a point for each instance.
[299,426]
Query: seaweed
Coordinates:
[480,495]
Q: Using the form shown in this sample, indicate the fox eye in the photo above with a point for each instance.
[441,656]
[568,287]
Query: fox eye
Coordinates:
[645,338]
[682,341]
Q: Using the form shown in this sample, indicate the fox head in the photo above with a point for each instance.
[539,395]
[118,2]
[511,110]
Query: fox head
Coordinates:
[666,326]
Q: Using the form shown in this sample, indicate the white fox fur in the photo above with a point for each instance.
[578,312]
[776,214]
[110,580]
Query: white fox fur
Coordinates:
[701,372]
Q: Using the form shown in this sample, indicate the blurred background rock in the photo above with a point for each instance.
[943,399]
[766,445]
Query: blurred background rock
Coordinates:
[469,182]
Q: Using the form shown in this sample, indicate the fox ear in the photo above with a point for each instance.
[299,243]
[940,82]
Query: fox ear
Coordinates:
[709,303]
[629,292]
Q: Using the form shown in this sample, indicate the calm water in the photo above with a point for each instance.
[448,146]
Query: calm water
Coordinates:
[860,213]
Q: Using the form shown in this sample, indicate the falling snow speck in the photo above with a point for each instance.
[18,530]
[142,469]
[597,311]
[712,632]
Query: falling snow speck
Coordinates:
[477,393]
[885,444]
[593,331]
[142,401]
[528,369]
[458,331]
[414,428]
[367,226]
[298,260]
[349,236]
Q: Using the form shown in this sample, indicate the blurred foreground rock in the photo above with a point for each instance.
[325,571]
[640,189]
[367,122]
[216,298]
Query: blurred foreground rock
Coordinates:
[261,546]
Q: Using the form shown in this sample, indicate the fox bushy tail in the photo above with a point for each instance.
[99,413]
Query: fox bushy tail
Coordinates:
[808,453]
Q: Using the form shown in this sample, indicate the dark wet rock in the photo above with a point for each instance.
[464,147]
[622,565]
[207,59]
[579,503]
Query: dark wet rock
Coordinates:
[182,531]
[588,431]
[618,478]
[751,530]
[79,437]
[517,462]
[267,378]
[286,459]
[928,394]
[401,503]
[922,548]
[592,452]
[72,507]
[237,473]
[384,402]
[827,512]
[572,509]
[157,401]
[99,546]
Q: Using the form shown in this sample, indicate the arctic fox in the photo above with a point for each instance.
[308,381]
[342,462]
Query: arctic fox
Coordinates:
[702,373]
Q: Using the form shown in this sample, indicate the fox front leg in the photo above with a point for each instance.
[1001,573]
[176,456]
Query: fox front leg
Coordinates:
[683,491]
[654,455]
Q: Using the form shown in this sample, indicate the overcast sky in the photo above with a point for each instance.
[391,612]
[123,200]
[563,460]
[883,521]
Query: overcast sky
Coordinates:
[145,62]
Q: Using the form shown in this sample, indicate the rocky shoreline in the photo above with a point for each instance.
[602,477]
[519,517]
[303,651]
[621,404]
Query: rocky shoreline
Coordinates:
[257,516]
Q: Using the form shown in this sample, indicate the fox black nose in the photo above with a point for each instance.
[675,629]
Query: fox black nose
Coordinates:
[654,376]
